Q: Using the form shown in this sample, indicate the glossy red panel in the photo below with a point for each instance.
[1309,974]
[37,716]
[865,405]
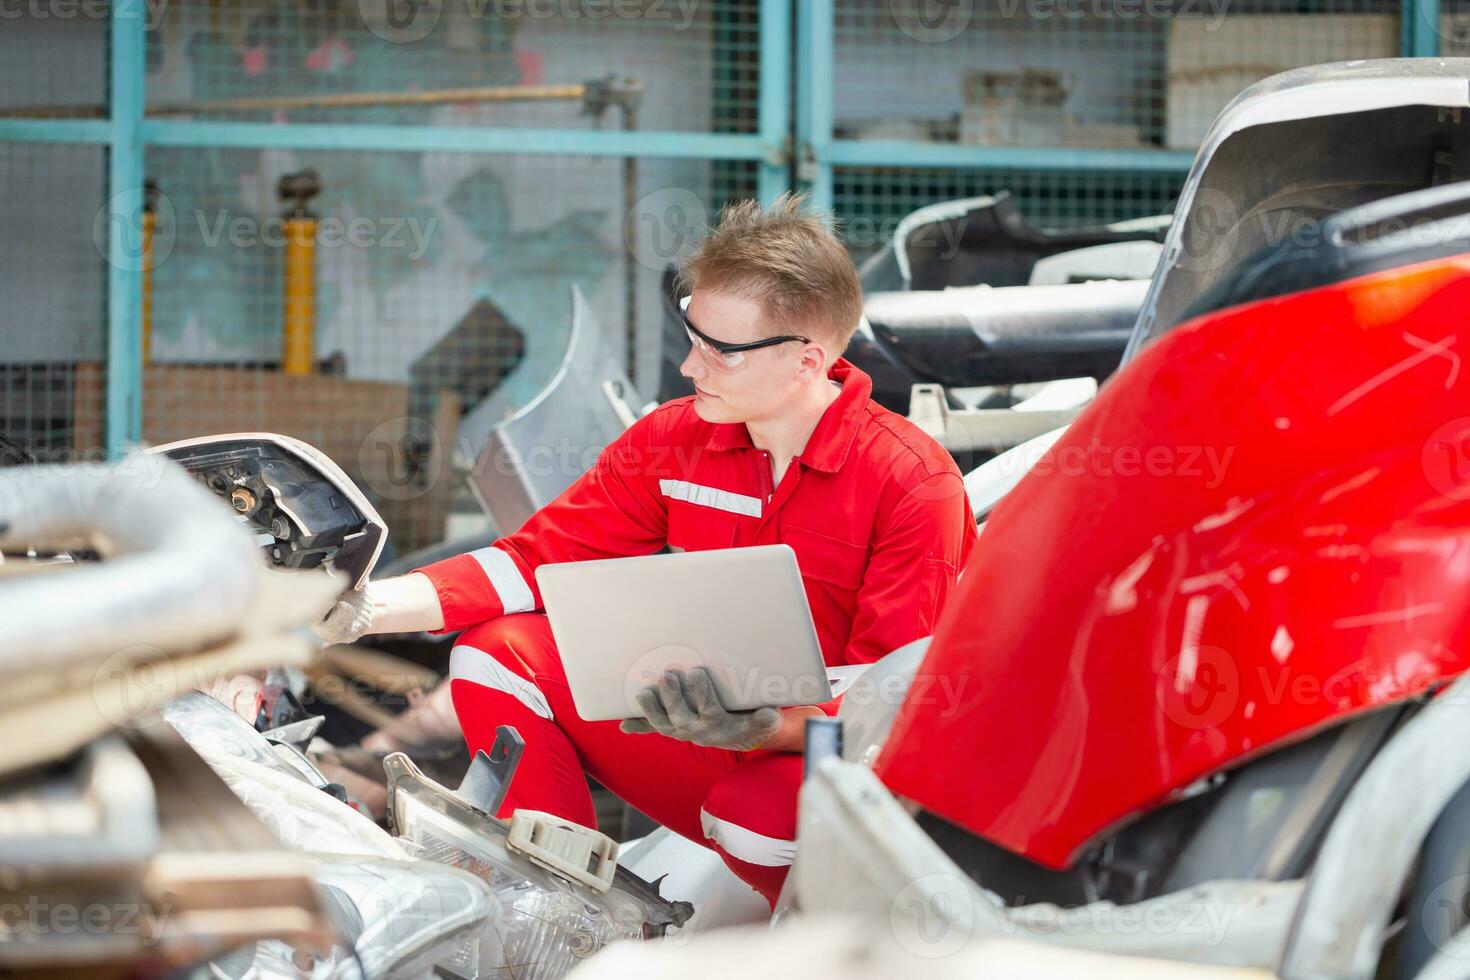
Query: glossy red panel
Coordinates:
[1261,526]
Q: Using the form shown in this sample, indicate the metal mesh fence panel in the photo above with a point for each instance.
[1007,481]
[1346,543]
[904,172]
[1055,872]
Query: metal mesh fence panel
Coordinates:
[457,62]
[1115,74]
[53,297]
[53,58]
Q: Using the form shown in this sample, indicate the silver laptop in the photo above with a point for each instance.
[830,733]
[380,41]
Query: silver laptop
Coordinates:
[741,613]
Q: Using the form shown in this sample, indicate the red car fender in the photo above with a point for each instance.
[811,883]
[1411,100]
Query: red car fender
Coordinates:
[1259,528]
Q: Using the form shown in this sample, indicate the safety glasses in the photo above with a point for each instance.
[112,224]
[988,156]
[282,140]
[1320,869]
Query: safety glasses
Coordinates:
[730,357]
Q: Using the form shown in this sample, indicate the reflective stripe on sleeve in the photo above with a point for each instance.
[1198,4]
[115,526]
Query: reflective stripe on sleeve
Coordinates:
[500,568]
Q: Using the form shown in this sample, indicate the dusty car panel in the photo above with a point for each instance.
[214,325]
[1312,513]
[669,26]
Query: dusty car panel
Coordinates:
[531,457]
[1400,117]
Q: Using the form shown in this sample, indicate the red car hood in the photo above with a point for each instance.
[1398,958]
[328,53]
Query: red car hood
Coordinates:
[1261,527]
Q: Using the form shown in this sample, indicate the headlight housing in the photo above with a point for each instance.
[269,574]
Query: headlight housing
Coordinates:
[542,925]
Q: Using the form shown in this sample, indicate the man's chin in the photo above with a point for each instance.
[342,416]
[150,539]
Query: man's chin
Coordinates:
[712,409]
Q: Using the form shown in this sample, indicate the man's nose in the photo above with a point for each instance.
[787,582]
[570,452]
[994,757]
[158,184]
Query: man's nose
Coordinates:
[693,367]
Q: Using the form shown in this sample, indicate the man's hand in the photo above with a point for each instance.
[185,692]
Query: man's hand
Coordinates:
[349,619]
[685,707]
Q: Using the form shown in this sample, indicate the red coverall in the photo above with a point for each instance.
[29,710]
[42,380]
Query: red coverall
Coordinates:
[877,515]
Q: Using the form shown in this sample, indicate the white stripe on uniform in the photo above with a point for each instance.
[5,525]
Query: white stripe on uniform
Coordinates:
[478,667]
[510,585]
[694,493]
[746,845]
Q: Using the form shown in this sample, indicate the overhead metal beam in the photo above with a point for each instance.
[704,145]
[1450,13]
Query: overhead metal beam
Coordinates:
[95,131]
[898,153]
[453,139]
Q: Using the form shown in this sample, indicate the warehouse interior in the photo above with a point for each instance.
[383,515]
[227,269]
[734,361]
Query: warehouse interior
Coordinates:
[1161,299]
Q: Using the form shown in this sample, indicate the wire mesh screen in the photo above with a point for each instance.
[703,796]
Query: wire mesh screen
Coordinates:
[1079,73]
[459,62]
[440,284]
[54,286]
[1452,28]
[53,58]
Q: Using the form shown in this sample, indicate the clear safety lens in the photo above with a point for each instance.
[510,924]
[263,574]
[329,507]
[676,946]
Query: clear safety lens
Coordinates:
[717,360]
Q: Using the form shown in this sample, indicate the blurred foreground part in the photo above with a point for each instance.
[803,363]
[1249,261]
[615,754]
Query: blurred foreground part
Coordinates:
[204,839]
[180,597]
[841,947]
[121,852]
[133,858]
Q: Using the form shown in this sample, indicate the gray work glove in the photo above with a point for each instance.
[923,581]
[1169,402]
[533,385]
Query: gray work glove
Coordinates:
[686,707]
[348,619]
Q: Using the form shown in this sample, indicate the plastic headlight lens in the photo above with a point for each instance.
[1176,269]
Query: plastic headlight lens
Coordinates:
[540,926]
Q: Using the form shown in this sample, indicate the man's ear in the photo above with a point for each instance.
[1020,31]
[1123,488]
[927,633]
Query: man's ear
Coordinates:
[813,364]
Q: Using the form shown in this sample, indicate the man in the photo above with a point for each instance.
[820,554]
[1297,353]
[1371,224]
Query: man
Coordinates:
[779,443]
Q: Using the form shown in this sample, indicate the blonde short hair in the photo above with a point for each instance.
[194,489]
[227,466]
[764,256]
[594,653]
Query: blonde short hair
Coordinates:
[785,258]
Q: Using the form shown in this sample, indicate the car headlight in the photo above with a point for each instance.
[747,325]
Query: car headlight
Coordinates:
[395,919]
[542,925]
[213,729]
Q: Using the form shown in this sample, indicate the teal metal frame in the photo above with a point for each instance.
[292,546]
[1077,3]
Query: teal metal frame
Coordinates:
[125,228]
[814,103]
[1420,25]
[127,132]
[775,147]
